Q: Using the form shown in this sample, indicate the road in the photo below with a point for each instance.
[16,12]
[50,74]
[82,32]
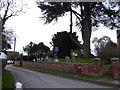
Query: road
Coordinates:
[34,79]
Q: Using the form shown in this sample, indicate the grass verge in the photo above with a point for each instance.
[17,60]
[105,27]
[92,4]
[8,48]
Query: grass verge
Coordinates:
[7,80]
[85,76]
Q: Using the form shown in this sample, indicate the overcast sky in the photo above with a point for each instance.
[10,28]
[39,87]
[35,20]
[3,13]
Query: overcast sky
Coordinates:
[29,27]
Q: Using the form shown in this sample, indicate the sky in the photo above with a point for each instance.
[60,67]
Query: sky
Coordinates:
[29,27]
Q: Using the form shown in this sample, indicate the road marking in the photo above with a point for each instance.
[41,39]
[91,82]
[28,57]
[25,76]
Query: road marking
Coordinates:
[18,85]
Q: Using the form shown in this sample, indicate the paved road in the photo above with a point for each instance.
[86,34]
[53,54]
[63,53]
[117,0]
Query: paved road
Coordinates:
[33,79]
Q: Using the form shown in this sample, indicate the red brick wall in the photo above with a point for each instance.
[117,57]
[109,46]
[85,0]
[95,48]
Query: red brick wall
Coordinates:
[93,68]
[115,67]
[104,69]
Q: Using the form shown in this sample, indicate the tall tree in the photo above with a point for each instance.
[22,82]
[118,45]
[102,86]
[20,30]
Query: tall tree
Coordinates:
[89,16]
[63,41]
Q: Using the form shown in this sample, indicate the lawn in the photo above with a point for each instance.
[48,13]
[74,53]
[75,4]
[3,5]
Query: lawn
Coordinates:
[7,80]
[78,60]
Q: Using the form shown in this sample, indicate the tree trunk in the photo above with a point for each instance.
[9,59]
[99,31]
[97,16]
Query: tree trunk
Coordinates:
[86,29]
[72,38]
[86,32]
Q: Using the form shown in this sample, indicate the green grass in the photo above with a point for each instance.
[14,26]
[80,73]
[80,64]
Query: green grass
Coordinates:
[104,78]
[7,79]
[85,61]
[78,60]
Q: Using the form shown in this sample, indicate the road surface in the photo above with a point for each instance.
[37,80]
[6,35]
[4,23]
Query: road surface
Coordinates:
[34,79]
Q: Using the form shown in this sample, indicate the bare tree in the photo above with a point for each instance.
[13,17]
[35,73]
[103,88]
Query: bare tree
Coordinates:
[8,9]
[11,8]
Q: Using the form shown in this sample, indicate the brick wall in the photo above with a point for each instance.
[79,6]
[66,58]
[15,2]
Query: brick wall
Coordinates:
[115,68]
[91,69]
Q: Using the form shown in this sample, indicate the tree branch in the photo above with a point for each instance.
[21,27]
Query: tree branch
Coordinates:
[76,13]
[78,18]
[93,5]
[6,12]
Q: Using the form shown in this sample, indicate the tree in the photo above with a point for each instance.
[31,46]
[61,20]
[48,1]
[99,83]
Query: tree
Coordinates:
[29,48]
[42,50]
[63,41]
[9,8]
[89,16]
[100,43]
[36,50]
[7,38]
[105,48]
[14,55]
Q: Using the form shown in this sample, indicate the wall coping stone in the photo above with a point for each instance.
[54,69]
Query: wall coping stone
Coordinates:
[114,59]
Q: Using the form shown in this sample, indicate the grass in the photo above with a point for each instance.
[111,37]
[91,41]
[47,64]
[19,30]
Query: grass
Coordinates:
[85,76]
[7,80]
[78,60]
[85,61]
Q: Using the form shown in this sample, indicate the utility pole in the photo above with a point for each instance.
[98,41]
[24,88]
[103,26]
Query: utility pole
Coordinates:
[118,42]
[14,44]
[0,33]
[0,51]
[14,49]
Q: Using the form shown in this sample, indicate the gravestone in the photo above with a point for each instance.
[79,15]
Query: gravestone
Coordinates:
[47,59]
[74,59]
[67,59]
[74,55]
